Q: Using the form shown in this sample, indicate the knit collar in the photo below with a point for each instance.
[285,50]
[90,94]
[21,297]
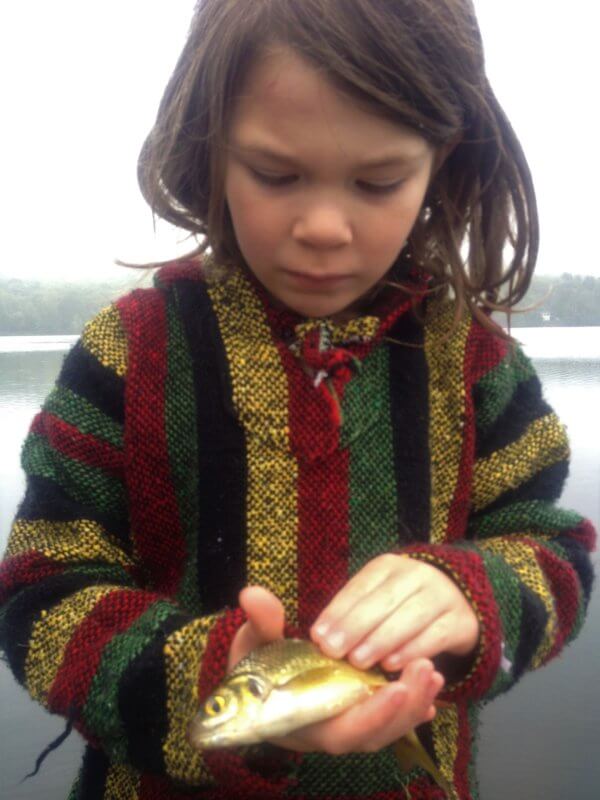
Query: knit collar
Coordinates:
[335,348]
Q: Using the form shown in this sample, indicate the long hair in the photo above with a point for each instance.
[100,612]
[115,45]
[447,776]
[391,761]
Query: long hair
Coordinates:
[419,63]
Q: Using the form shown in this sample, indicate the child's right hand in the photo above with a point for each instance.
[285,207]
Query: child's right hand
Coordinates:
[366,727]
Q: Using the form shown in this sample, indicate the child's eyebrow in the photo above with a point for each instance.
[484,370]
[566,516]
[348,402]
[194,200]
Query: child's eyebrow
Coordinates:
[381,161]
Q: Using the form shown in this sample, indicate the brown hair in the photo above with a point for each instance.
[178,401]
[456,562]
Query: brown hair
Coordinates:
[417,62]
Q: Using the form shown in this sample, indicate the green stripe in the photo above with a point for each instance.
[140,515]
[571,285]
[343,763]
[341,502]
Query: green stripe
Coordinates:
[84,484]
[182,441]
[351,775]
[373,529]
[506,589]
[523,517]
[498,386]
[80,413]
[373,504]
[105,573]
[473,717]
[101,710]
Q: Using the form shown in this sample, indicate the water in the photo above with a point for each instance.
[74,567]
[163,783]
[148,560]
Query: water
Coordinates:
[539,741]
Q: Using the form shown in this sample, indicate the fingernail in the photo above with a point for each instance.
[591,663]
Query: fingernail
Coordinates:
[321,629]
[362,653]
[336,641]
[397,694]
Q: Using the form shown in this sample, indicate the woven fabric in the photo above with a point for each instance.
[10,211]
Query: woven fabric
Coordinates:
[198,440]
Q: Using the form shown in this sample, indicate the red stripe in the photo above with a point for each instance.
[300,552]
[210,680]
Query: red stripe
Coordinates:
[25,569]
[564,586]
[81,447]
[155,519]
[463,756]
[112,615]
[323,517]
[488,351]
[458,512]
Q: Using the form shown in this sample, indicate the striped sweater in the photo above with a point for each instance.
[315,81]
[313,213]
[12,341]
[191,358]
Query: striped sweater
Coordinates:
[199,440]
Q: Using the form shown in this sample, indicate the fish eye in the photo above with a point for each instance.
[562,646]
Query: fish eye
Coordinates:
[255,687]
[214,705]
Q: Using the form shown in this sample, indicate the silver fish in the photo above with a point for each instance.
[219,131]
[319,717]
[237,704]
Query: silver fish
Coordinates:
[285,685]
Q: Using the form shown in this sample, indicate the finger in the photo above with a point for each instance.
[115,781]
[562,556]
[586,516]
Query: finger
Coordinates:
[373,723]
[266,620]
[422,685]
[409,620]
[437,638]
[359,585]
[265,611]
[345,631]
[387,601]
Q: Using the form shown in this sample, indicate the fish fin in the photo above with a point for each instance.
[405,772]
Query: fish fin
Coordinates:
[309,677]
[410,754]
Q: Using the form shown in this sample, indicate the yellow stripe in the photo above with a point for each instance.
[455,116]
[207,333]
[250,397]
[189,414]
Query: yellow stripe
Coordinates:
[543,444]
[260,397]
[521,557]
[104,338]
[66,542]
[445,359]
[445,742]
[122,782]
[51,635]
[183,651]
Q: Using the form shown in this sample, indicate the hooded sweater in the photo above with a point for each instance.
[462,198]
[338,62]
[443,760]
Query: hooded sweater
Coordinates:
[198,440]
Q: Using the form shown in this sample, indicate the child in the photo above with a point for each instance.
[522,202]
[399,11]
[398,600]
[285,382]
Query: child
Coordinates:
[320,410]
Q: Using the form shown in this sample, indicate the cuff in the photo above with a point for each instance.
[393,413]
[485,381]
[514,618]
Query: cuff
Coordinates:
[466,569]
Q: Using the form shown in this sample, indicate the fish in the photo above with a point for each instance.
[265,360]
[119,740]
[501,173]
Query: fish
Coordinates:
[285,685]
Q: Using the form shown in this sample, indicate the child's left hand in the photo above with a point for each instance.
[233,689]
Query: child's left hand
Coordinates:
[394,610]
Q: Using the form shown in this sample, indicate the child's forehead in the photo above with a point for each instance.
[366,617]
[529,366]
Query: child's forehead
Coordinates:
[287,97]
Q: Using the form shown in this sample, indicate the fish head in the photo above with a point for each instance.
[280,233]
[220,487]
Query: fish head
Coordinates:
[231,715]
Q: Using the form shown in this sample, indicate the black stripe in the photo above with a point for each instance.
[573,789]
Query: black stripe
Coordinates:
[222,474]
[46,500]
[533,624]
[525,407]
[24,610]
[143,700]
[580,561]
[410,428]
[92,778]
[544,485]
[84,375]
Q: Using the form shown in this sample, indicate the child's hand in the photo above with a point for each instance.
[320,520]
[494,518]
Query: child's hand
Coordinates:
[382,719]
[395,610]
[368,726]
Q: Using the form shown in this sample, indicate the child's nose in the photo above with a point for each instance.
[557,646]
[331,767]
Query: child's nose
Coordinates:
[323,226]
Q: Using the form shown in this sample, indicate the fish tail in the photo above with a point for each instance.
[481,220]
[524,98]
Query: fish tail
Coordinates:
[410,754]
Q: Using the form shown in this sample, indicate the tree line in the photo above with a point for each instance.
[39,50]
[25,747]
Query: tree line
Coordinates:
[37,308]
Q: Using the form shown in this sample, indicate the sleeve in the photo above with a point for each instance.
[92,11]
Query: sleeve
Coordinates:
[524,563]
[80,627]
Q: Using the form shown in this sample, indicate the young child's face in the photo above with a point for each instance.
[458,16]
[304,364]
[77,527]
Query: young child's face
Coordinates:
[314,229]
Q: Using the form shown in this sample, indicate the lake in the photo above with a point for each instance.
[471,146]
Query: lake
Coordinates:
[540,741]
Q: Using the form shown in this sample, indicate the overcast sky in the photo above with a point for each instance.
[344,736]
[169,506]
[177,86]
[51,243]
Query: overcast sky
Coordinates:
[81,84]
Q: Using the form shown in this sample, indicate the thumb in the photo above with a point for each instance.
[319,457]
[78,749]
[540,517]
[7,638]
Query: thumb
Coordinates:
[266,620]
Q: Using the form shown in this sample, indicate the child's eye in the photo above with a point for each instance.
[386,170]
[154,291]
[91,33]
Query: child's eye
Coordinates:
[273,180]
[377,188]
[284,180]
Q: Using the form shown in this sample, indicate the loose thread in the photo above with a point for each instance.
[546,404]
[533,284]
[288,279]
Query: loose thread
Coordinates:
[52,746]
